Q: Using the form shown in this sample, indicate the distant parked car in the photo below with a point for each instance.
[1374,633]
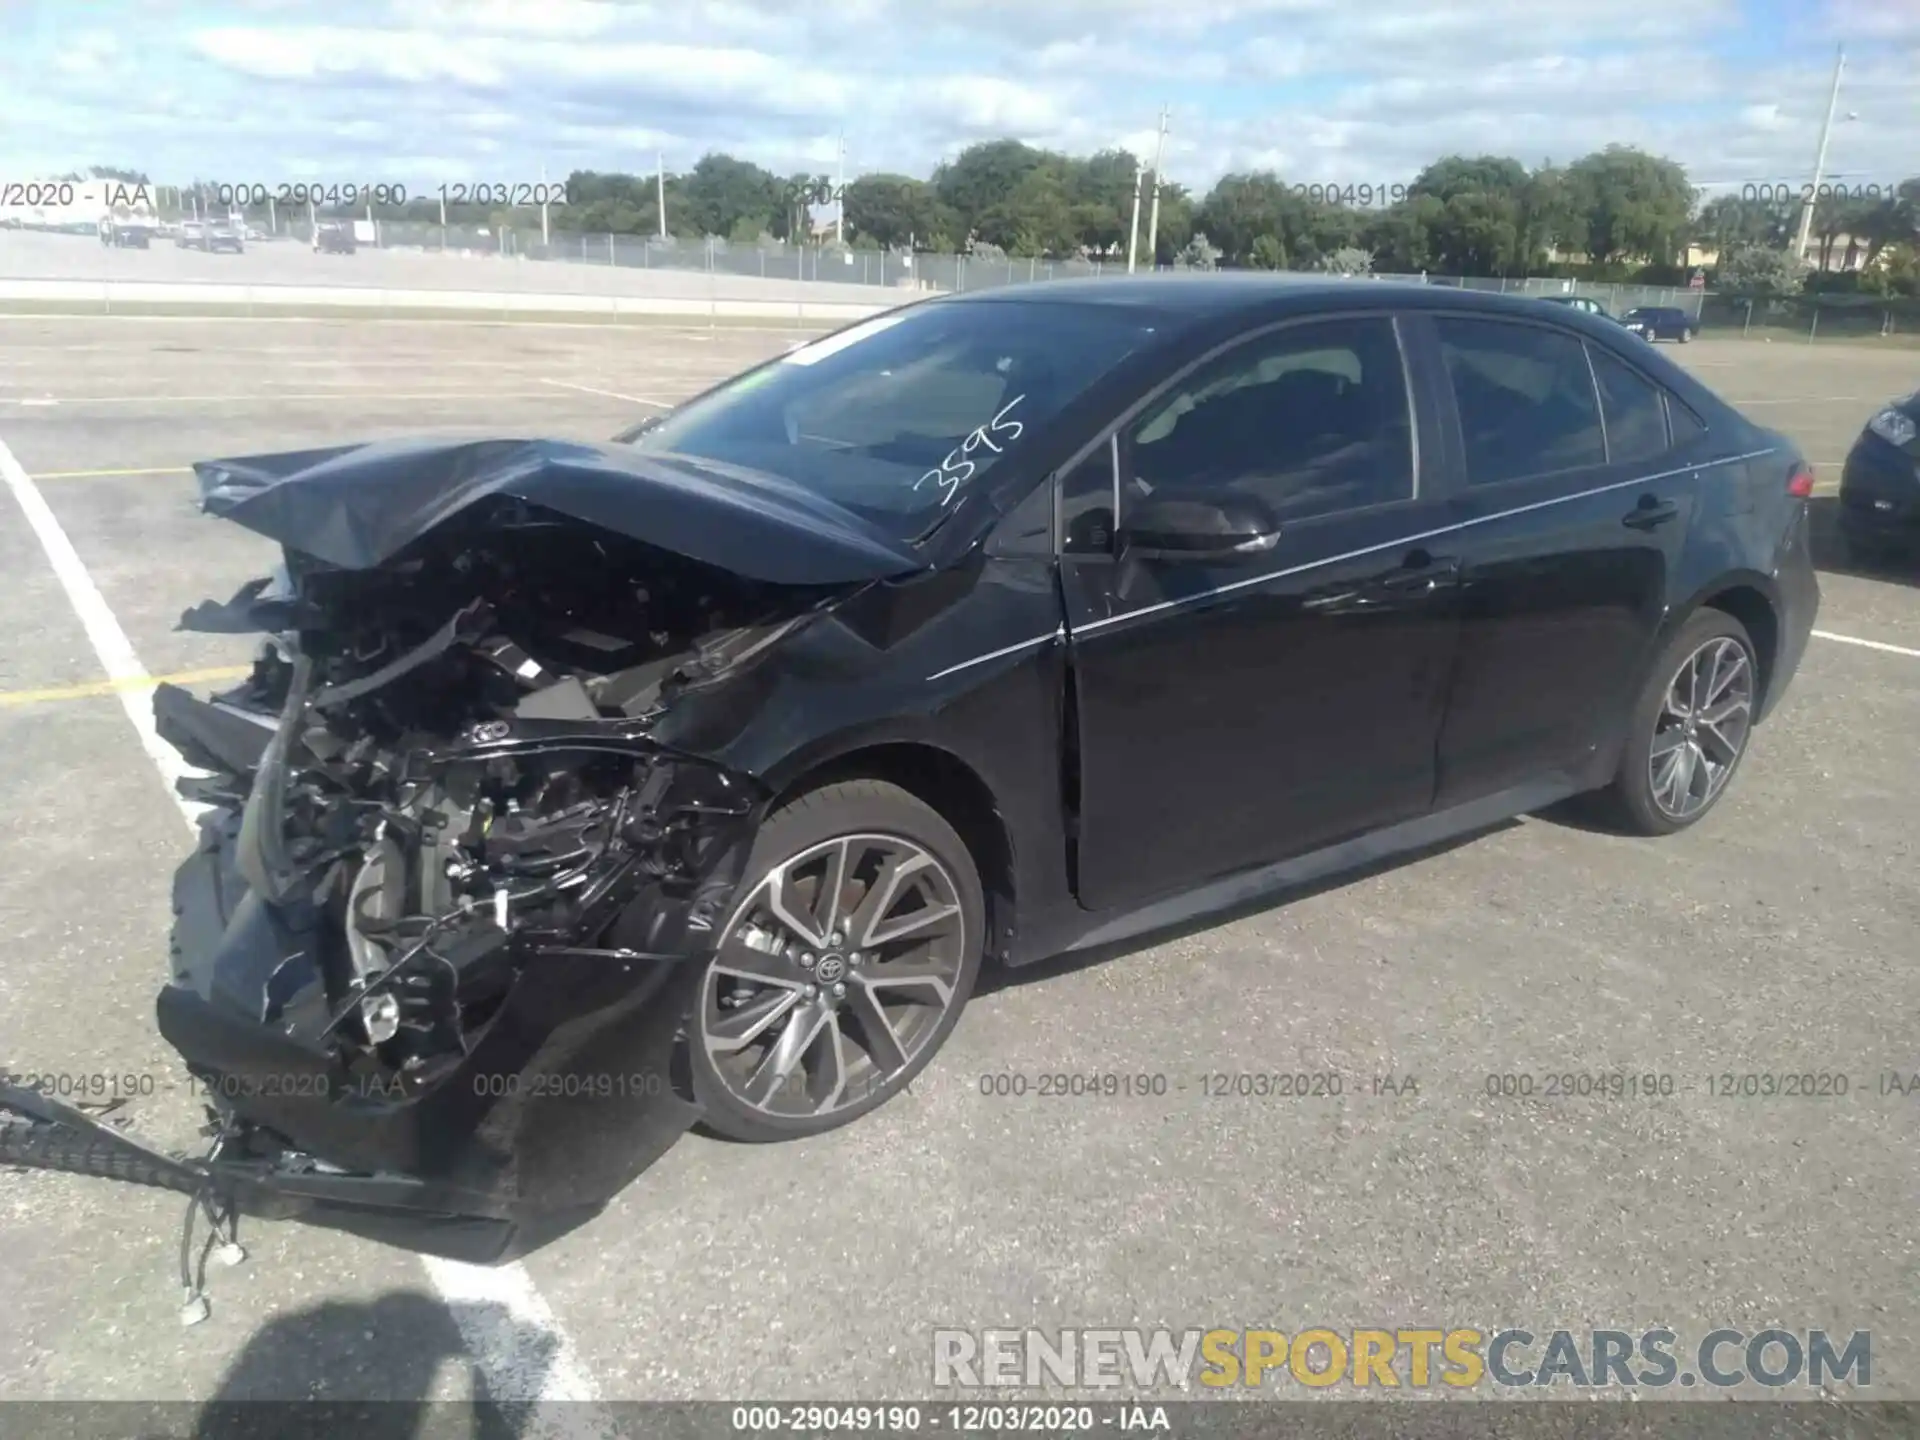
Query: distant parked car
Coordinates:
[1880,486]
[1580,303]
[209,235]
[333,237]
[1661,322]
[125,237]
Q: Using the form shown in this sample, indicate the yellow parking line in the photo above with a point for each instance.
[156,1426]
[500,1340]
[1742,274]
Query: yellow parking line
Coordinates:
[93,474]
[94,688]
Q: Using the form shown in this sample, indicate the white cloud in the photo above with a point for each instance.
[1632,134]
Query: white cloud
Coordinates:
[429,90]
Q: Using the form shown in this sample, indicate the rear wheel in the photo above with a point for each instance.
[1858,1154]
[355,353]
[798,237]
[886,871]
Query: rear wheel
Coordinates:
[843,968]
[1689,728]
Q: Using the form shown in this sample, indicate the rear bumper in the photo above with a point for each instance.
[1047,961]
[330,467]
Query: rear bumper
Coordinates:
[1880,491]
[1799,596]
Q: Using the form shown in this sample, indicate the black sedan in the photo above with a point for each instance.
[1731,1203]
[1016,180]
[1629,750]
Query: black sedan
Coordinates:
[586,792]
[1661,322]
[1880,486]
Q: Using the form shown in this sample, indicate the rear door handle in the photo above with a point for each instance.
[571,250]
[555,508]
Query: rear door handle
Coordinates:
[1422,572]
[1649,513]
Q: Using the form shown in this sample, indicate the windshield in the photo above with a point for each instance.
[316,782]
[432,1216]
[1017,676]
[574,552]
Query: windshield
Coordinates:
[899,416]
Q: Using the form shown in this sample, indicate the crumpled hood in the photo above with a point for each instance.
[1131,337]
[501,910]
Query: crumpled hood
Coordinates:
[355,506]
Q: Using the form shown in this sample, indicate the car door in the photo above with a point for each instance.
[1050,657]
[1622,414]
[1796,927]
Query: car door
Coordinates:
[1572,522]
[1231,709]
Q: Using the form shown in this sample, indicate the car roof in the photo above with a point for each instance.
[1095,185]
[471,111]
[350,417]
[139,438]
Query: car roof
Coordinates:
[1199,297]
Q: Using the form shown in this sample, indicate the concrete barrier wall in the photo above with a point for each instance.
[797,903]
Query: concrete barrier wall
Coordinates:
[103,296]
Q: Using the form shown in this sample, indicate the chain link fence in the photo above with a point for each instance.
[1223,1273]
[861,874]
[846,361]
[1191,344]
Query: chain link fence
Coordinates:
[1812,317]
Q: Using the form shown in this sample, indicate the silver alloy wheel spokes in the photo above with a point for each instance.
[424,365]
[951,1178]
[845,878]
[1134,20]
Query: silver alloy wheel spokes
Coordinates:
[832,975]
[1702,727]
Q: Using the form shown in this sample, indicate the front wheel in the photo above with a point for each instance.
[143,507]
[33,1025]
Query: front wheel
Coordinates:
[843,967]
[1689,728]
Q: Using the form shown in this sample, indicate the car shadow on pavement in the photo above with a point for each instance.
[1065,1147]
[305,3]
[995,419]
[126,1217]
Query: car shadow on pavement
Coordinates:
[1833,556]
[366,1369]
[1003,977]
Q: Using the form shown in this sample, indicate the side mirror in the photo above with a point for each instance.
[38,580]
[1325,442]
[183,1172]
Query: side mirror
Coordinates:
[1198,528]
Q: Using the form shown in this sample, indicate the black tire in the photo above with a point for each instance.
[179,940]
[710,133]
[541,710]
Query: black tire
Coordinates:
[1686,336]
[1629,801]
[852,807]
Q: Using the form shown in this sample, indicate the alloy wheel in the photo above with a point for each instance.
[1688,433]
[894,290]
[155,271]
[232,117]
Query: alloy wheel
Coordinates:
[1702,728]
[832,975]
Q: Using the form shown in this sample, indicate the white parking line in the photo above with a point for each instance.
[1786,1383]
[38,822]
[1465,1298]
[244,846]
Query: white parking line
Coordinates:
[1867,644]
[509,1330]
[610,394]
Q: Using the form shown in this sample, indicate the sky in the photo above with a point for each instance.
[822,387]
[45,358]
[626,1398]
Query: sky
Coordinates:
[426,92]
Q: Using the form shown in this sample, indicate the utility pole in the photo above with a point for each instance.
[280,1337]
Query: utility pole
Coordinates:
[1133,227]
[840,196]
[660,178]
[1820,161]
[1153,219]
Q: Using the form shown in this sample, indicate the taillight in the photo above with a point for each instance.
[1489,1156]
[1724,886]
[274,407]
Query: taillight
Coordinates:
[1800,483]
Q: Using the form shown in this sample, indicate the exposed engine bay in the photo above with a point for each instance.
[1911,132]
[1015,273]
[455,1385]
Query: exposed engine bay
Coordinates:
[458,779]
[466,843]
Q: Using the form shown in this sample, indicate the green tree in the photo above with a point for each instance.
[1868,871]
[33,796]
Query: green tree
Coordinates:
[1757,270]
[1241,208]
[1349,260]
[983,176]
[1633,203]
[1404,237]
[720,192]
[1269,252]
[890,210]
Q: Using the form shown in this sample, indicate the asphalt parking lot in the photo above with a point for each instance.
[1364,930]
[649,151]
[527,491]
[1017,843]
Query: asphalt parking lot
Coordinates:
[1779,936]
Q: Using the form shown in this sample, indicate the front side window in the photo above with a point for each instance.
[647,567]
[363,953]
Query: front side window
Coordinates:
[1525,398]
[900,416]
[1309,420]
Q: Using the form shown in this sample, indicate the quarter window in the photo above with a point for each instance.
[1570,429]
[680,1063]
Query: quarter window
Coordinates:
[1310,420]
[1635,410]
[1525,396]
[1687,426]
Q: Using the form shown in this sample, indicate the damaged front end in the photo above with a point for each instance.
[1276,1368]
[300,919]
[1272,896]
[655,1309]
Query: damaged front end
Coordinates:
[433,954]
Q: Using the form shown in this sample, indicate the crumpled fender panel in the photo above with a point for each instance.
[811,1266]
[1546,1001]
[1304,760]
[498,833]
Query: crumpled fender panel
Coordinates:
[356,506]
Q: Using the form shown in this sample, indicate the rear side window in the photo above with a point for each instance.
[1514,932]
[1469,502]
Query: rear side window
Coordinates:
[1687,426]
[1525,397]
[1635,410]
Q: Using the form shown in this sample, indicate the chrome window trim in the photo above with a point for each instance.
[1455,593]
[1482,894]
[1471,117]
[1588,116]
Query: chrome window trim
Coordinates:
[1599,403]
[1059,632]
[1271,575]
[1066,632]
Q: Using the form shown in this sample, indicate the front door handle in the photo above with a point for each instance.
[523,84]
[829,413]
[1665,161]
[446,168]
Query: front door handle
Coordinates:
[1649,513]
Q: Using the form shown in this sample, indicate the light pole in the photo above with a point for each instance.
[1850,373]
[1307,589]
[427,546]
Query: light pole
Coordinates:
[1153,218]
[1820,161]
[840,196]
[1133,228]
